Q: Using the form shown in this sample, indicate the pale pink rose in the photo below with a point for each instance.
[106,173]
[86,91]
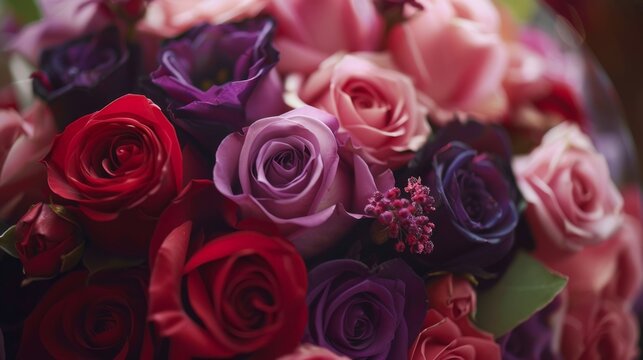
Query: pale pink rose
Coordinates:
[310,31]
[453,51]
[611,270]
[596,328]
[24,141]
[572,201]
[61,20]
[312,352]
[375,104]
[443,339]
[168,18]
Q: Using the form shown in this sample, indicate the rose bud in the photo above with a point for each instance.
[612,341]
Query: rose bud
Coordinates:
[48,241]
[83,75]
[226,87]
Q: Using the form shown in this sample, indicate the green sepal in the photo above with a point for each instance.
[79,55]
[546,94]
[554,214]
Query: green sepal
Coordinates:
[526,288]
[8,241]
[72,258]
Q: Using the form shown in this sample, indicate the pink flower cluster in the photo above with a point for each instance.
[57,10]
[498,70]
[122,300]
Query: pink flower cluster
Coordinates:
[405,220]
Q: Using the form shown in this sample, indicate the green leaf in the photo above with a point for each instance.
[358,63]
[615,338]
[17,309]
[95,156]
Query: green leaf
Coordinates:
[526,287]
[8,241]
[25,10]
[522,10]
[95,261]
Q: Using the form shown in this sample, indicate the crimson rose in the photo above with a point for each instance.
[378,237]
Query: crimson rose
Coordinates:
[97,317]
[212,296]
[120,166]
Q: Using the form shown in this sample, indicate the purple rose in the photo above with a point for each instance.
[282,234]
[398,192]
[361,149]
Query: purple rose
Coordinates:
[362,313]
[294,170]
[83,75]
[219,78]
[535,338]
[467,169]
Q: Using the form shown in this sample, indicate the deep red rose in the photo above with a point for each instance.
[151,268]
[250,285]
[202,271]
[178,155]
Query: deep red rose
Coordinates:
[48,242]
[120,166]
[97,317]
[220,296]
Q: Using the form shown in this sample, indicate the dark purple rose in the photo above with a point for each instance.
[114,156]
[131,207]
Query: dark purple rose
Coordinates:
[83,75]
[534,339]
[218,79]
[362,313]
[467,169]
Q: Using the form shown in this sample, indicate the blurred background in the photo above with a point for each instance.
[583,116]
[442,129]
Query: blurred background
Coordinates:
[613,30]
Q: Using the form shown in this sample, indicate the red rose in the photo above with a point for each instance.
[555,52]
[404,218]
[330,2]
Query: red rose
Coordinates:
[121,166]
[212,296]
[48,242]
[97,317]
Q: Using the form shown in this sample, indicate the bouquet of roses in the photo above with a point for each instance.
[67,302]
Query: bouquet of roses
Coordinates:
[306,179]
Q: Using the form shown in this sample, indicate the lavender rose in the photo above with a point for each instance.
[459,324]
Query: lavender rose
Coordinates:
[82,76]
[467,168]
[362,313]
[296,171]
[218,79]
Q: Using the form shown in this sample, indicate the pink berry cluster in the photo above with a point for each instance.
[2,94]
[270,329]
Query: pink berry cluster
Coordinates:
[405,220]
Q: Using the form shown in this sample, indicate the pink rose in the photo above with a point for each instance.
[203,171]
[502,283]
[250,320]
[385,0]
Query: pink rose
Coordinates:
[453,51]
[612,269]
[295,171]
[543,83]
[24,141]
[168,18]
[572,202]
[375,104]
[595,329]
[442,339]
[310,31]
[312,352]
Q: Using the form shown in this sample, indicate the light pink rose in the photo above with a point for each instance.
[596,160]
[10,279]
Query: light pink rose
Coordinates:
[312,352]
[375,104]
[61,20]
[24,141]
[296,171]
[611,270]
[453,51]
[168,18]
[596,328]
[572,202]
[442,339]
[310,31]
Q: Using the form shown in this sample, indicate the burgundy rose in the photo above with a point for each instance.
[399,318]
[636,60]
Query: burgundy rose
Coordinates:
[120,167]
[48,241]
[97,317]
[241,294]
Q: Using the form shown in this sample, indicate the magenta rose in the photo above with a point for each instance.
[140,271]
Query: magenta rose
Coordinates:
[305,36]
[312,352]
[454,52]
[24,140]
[572,202]
[296,171]
[375,104]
